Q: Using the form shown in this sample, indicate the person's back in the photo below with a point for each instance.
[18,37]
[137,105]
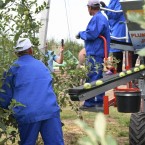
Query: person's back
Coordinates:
[116,20]
[118,29]
[33,88]
[98,25]
[29,82]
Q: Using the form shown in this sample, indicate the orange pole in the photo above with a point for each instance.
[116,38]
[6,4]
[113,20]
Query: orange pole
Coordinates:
[105,47]
[106,105]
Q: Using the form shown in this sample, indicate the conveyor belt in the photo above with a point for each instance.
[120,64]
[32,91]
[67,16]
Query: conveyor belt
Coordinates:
[109,82]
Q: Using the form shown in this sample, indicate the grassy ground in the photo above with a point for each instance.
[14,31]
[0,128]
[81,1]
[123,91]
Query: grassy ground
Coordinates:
[117,126]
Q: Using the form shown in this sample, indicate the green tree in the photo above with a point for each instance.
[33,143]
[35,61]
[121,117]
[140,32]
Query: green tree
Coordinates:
[138,18]
[17,19]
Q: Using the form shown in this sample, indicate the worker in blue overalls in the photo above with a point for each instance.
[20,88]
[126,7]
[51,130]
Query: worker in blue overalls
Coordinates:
[30,83]
[117,23]
[94,47]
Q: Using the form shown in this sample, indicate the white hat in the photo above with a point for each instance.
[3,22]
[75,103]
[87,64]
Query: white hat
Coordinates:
[23,44]
[93,3]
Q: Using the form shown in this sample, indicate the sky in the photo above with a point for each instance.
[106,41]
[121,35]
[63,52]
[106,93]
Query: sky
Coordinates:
[67,18]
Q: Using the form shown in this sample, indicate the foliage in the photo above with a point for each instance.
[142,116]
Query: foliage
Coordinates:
[115,121]
[72,46]
[138,18]
[8,125]
[3,3]
[112,62]
[97,135]
[17,19]
[69,76]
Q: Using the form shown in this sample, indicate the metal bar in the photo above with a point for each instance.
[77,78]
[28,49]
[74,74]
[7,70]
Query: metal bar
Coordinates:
[127,89]
[107,87]
[112,101]
[110,10]
[122,47]
[118,38]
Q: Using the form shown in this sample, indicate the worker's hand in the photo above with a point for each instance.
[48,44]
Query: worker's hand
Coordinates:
[102,4]
[78,36]
[61,49]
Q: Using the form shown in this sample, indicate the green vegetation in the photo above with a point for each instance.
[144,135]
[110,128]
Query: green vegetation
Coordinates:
[16,20]
[139,18]
[72,46]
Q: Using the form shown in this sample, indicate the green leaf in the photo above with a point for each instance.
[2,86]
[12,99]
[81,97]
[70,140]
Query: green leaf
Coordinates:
[141,52]
[110,141]
[2,126]
[2,141]
[2,91]
[100,125]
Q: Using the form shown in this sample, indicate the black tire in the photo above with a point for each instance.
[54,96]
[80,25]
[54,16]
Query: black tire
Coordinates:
[137,129]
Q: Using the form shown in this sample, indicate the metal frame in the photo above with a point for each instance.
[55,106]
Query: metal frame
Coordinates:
[111,82]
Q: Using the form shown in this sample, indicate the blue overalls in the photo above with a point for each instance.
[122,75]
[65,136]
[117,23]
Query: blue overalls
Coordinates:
[31,85]
[117,29]
[94,46]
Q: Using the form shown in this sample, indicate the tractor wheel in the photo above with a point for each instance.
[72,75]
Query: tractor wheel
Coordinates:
[137,129]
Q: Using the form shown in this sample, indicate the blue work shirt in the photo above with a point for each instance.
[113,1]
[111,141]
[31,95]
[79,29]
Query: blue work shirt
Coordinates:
[29,82]
[94,45]
[51,57]
[117,21]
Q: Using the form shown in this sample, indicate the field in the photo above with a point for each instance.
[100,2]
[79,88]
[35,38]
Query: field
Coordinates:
[117,125]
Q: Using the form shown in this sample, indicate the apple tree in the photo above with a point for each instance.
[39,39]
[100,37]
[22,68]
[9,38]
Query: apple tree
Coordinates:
[17,19]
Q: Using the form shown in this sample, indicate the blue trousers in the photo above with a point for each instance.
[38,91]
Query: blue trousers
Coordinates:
[50,130]
[95,73]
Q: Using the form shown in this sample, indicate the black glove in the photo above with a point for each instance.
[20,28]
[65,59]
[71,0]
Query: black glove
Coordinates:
[102,4]
[78,36]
